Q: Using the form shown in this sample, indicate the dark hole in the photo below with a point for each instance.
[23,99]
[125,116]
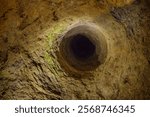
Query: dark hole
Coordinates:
[82,47]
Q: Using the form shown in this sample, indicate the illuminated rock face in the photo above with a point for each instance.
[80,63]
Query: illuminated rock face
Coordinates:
[74,49]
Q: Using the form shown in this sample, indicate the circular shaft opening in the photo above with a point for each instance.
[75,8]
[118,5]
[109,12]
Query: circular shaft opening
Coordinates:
[82,48]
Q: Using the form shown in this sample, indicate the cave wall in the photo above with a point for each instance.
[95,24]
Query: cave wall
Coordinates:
[30,65]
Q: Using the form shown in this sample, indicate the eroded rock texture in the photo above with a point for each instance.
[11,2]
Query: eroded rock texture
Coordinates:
[41,58]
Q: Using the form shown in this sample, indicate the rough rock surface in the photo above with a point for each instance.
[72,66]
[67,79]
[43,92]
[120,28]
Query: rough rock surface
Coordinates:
[31,69]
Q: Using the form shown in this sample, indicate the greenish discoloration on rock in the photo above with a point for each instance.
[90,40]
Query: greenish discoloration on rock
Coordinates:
[56,31]
[48,59]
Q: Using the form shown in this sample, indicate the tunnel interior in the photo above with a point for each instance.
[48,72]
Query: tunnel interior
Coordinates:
[81,47]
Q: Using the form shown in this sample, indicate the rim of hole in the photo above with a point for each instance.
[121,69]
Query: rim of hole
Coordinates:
[90,35]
